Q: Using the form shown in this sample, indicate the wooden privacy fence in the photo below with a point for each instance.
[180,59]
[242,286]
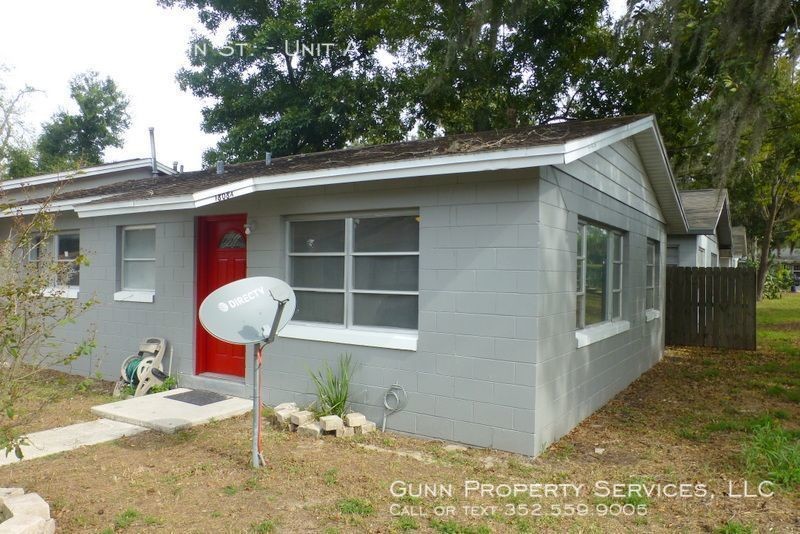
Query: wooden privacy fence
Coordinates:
[711,307]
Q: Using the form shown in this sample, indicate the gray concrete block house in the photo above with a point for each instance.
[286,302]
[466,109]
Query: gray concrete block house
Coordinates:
[512,282]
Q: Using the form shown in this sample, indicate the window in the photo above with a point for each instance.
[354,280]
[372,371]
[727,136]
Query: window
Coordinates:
[600,274]
[66,248]
[701,257]
[139,258]
[673,257]
[356,272]
[714,260]
[652,275]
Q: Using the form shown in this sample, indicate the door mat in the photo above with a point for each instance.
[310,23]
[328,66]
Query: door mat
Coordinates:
[198,397]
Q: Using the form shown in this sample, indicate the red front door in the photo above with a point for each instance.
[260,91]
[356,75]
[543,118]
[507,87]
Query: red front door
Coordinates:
[221,258]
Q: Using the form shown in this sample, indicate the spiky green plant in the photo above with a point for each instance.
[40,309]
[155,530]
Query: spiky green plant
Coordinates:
[333,388]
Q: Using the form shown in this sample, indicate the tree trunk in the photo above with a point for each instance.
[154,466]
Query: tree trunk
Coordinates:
[766,243]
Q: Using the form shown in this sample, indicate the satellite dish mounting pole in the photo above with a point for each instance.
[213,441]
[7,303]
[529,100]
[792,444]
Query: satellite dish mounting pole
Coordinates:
[258,348]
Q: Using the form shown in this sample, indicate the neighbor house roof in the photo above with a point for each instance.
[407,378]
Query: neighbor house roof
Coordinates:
[30,182]
[504,149]
[739,241]
[707,213]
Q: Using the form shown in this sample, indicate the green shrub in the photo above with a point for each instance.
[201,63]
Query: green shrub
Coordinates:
[774,453]
[333,388]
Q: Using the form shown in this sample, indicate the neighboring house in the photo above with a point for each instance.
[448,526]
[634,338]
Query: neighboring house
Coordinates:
[790,257]
[710,242]
[739,245]
[512,282]
[76,182]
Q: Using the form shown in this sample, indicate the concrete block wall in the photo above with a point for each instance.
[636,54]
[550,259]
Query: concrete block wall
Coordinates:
[120,326]
[572,383]
[471,378]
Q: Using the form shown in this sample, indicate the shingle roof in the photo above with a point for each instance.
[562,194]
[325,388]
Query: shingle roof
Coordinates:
[739,238]
[703,207]
[192,182]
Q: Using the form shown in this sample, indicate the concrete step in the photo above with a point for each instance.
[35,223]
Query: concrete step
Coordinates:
[158,412]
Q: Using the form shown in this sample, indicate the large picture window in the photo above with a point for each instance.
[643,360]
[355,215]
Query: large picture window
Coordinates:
[139,258]
[600,271]
[651,276]
[357,272]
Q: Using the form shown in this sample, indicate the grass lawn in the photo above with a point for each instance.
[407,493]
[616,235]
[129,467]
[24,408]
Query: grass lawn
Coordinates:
[698,417]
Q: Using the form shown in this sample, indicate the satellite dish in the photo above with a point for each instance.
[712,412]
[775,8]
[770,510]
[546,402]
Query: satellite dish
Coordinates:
[243,311]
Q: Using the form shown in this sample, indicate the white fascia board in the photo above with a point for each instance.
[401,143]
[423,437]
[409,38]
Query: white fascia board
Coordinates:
[655,135]
[574,150]
[517,158]
[55,207]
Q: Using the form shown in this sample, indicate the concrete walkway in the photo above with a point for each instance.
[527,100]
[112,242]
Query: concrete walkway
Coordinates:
[128,417]
[71,437]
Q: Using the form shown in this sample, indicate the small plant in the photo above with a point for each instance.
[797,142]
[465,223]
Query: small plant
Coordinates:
[230,490]
[267,525]
[355,507]
[329,477]
[407,523]
[170,383]
[126,519]
[451,527]
[774,453]
[734,527]
[333,388]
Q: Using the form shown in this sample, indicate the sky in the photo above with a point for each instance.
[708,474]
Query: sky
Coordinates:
[136,42]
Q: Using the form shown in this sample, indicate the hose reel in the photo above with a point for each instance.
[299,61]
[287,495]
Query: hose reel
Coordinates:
[143,370]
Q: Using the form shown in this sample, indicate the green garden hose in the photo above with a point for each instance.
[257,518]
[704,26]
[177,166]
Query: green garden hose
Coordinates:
[131,371]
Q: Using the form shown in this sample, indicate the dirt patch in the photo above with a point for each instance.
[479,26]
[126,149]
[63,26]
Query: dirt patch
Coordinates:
[59,399]
[652,433]
[686,421]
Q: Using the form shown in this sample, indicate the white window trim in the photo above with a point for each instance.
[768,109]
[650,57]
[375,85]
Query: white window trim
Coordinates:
[127,295]
[610,292]
[397,339]
[600,331]
[370,336]
[656,266]
[133,294]
[616,293]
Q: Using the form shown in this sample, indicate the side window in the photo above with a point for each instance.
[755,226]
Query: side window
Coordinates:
[600,274]
[673,255]
[139,258]
[65,249]
[653,269]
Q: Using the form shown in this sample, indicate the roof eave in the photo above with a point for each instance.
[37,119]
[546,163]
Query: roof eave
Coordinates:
[517,158]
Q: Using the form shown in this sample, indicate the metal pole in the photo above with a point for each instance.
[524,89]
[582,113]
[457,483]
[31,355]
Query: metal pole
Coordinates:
[258,460]
[256,405]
